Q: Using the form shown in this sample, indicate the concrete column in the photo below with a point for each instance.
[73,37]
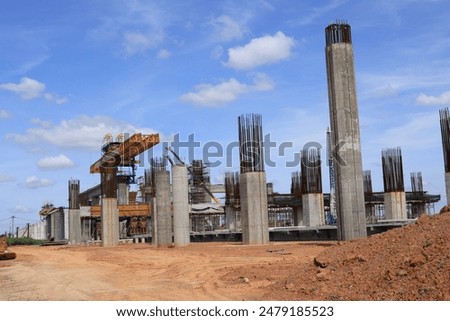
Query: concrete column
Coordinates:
[447,186]
[123,193]
[74,226]
[110,222]
[313,209]
[162,214]
[180,197]
[254,214]
[74,215]
[395,206]
[345,136]
[230,215]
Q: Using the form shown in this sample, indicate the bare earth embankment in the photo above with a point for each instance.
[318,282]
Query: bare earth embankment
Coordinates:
[409,263]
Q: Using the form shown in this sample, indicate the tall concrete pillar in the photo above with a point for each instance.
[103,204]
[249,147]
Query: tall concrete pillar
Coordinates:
[74,216]
[394,188]
[444,116]
[252,181]
[162,213]
[254,213]
[110,212]
[311,187]
[345,135]
[180,199]
[447,186]
[110,222]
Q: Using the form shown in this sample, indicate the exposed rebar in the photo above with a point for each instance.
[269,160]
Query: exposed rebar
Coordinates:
[296,184]
[367,182]
[339,32]
[232,192]
[311,173]
[392,170]
[416,182]
[250,143]
[74,194]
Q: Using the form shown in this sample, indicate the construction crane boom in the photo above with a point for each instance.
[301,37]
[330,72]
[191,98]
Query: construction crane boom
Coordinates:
[123,153]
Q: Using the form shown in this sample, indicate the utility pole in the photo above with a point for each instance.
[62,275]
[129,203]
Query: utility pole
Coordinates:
[12,225]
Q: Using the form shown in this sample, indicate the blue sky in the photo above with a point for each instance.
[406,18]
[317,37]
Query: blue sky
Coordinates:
[73,71]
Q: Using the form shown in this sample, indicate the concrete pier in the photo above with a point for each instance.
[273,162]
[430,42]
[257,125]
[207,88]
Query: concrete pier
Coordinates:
[110,212]
[74,215]
[395,206]
[447,186]
[394,187]
[345,135]
[162,214]
[313,209]
[254,215]
[180,199]
[110,222]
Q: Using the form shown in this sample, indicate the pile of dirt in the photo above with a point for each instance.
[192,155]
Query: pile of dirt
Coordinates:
[407,263]
[4,254]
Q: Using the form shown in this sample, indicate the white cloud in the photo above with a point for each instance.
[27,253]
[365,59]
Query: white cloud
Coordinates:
[137,42]
[225,92]
[4,114]
[85,132]
[55,162]
[260,51]
[164,54]
[29,89]
[442,99]
[6,178]
[20,209]
[226,28]
[53,97]
[35,182]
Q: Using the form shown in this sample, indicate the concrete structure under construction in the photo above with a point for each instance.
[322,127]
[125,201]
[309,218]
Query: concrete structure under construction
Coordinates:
[180,199]
[444,116]
[74,216]
[394,188]
[254,216]
[161,203]
[252,181]
[345,134]
[296,192]
[311,185]
[110,222]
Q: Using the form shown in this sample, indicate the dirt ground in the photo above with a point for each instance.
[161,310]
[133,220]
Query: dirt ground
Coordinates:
[409,263]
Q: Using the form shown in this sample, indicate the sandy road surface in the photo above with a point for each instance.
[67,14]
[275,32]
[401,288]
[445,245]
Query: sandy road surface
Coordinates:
[200,271]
